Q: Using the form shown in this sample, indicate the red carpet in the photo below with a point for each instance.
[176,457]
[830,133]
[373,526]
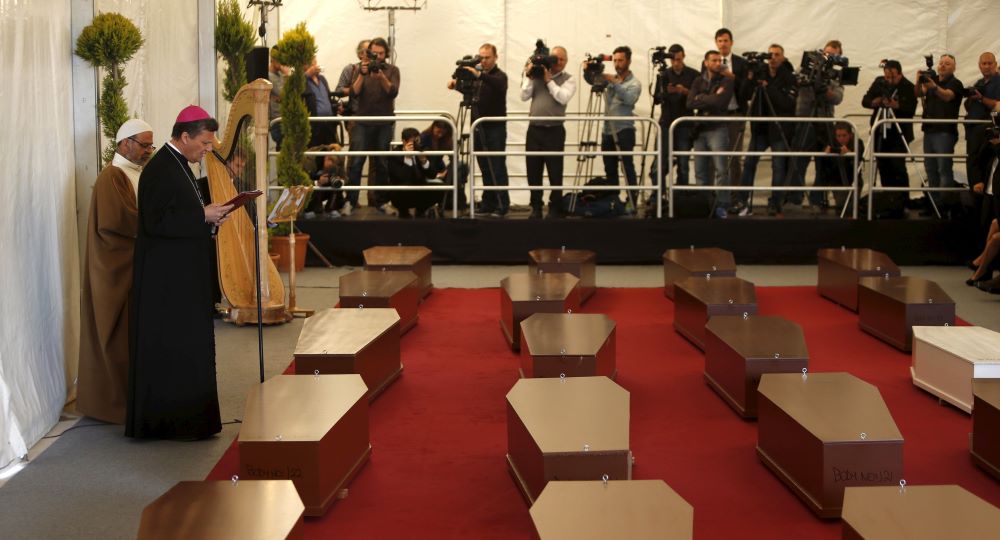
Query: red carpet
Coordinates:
[439,433]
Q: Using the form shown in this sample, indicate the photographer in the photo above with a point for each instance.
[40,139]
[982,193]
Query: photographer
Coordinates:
[942,97]
[892,94]
[674,85]
[620,95]
[711,95]
[412,171]
[816,100]
[375,87]
[550,89]
[347,76]
[983,97]
[490,136]
[318,103]
[772,93]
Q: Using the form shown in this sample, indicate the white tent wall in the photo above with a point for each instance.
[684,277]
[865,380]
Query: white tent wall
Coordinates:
[39,328]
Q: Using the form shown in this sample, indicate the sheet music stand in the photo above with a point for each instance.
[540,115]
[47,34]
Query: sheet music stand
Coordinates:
[289,204]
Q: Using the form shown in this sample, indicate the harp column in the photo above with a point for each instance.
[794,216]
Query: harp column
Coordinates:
[262,91]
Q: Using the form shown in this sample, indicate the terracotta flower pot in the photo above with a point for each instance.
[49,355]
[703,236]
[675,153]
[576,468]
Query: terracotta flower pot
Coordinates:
[279,246]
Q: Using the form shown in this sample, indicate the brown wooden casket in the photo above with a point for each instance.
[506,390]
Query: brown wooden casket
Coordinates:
[568,344]
[351,340]
[826,431]
[524,294]
[889,308]
[573,428]
[947,358]
[697,299]
[310,429]
[680,264]
[582,263]
[208,510]
[633,509]
[838,272]
[397,289]
[917,513]
[416,259]
[985,438]
[738,350]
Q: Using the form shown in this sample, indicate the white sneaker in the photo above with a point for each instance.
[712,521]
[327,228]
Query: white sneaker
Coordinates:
[346,209]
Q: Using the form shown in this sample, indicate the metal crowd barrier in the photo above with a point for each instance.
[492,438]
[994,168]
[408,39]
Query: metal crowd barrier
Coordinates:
[872,188]
[789,153]
[454,187]
[594,153]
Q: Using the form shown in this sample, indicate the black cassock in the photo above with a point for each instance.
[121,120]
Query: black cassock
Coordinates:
[171,382]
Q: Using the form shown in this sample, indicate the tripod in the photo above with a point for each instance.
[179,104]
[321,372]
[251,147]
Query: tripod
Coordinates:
[802,139]
[589,138]
[887,113]
[767,109]
[656,91]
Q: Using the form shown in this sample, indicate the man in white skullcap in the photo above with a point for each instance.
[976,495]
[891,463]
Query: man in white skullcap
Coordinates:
[107,277]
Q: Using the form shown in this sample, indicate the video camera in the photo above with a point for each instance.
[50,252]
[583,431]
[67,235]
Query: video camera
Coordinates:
[928,75]
[593,70]
[660,56]
[374,66]
[757,63]
[541,60]
[818,69]
[465,82]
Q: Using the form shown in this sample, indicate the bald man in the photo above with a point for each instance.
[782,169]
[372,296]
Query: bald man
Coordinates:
[107,277]
[985,96]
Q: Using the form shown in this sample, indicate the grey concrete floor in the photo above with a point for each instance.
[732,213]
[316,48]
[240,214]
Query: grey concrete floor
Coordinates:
[93,483]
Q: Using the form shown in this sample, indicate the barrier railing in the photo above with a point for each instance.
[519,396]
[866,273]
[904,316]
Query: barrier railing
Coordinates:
[454,187]
[788,153]
[886,124]
[640,186]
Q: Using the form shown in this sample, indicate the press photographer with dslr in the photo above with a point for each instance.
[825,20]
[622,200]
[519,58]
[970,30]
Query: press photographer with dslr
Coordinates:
[671,91]
[892,96]
[375,87]
[820,91]
[941,92]
[550,89]
[347,76]
[620,95]
[490,99]
[771,93]
[711,95]
[980,100]
[412,171]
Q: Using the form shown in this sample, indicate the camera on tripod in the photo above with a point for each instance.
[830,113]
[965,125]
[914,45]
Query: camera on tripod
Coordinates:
[541,60]
[818,69]
[374,65]
[928,75]
[465,81]
[660,56]
[757,63]
[593,71]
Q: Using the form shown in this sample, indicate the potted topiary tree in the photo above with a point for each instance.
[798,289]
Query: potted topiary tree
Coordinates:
[234,38]
[295,49]
[107,43]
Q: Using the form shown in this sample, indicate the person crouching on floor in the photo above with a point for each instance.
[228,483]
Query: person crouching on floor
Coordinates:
[412,171]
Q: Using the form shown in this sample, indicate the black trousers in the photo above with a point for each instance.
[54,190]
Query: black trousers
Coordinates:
[892,171]
[545,139]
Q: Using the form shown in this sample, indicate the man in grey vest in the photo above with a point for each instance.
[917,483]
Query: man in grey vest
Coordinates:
[549,96]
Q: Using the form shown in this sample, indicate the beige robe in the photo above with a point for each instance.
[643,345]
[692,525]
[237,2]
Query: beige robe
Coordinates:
[107,283]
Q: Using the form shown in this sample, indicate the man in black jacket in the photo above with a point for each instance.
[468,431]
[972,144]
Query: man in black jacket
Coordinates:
[710,95]
[674,85]
[734,67]
[412,171]
[892,95]
[771,92]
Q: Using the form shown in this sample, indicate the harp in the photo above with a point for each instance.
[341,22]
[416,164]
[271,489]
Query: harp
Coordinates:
[243,167]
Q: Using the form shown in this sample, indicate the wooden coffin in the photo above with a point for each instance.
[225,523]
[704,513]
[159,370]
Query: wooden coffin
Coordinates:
[310,429]
[397,289]
[633,509]
[352,340]
[739,350]
[582,263]
[568,344]
[697,299]
[680,264]
[947,358]
[824,432]
[574,428]
[985,436]
[521,295]
[917,513]
[889,308]
[207,510]
[838,272]
[416,259]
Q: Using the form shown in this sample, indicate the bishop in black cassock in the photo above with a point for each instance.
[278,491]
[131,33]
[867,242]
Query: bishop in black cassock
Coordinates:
[172,390]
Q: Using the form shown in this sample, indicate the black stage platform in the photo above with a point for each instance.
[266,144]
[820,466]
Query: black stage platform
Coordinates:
[642,241]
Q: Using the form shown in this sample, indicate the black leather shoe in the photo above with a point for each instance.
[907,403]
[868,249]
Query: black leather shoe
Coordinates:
[536,212]
[991,286]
